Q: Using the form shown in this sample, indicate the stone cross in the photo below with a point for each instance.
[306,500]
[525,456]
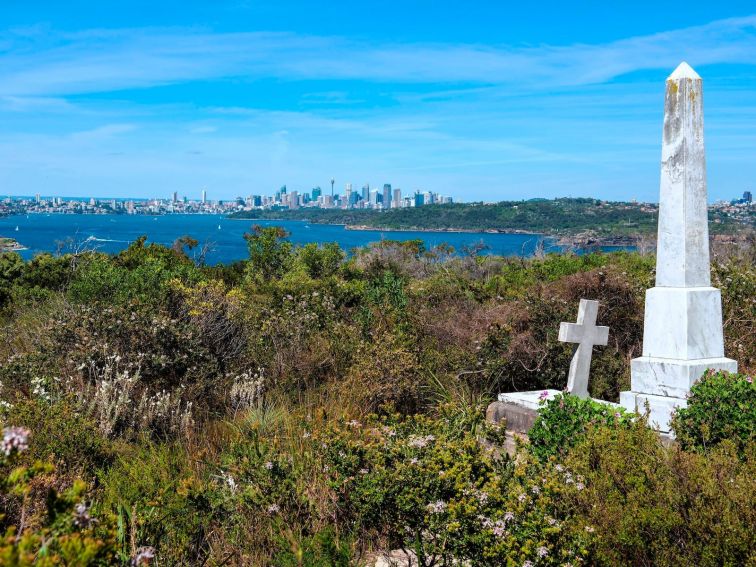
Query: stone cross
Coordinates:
[682,327]
[586,334]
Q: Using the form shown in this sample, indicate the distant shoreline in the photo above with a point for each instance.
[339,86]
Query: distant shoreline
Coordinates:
[365,227]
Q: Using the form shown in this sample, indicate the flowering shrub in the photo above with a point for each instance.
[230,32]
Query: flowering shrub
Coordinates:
[425,487]
[65,534]
[720,406]
[649,504]
[563,421]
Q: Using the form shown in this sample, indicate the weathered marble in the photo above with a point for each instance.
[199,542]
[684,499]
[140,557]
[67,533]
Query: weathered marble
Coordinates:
[683,323]
[586,334]
[665,377]
[682,255]
[529,400]
[682,330]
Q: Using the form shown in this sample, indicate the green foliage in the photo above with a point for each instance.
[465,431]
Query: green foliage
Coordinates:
[569,215]
[158,502]
[219,413]
[564,420]
[11,269]
[321,261]
[320,550]
[721,406]
[63,532]
[647,504]
[269,253]
[48,272]
[81,450]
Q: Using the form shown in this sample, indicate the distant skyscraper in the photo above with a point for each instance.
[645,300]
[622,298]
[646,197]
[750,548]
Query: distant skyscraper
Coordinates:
[386,195]
[747,197]
[204,196]
[366,192]
[317,192]
[397,202]
[419,199]
[175,196]
[294,200]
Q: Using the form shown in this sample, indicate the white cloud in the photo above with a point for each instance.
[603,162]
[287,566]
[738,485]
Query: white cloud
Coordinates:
[43,63]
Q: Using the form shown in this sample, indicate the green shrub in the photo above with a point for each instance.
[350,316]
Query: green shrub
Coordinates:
[721,406]
[564,420]
[320,550]
[47,527]
[648,504]
[158,501]
[62,435]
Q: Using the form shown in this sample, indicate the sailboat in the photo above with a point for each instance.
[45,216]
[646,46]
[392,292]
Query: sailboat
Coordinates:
[16,228]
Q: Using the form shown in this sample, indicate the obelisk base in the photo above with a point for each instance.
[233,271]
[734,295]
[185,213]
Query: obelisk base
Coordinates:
[664,385]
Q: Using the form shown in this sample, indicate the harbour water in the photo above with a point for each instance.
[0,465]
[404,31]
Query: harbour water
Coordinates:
[112,233]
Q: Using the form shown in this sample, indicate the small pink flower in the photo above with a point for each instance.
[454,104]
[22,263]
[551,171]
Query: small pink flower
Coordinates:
[15,439]
[543,395]
[144,556]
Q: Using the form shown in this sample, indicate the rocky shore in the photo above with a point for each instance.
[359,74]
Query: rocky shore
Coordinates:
[10,245]
[456,230]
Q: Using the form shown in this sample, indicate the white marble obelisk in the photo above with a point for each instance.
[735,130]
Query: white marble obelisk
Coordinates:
[682,331]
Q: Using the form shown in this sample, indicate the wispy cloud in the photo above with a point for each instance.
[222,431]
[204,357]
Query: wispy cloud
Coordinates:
[44,63]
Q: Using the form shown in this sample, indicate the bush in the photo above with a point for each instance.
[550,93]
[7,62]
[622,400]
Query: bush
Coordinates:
[564,420]
[62,435]
[721,406]
[647,504]
[53,528]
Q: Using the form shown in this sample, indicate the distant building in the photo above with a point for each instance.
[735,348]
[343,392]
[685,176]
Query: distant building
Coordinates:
[294,200]
[397,202]
[366,192]
[175,196]
[419,199]
[386,195]
[747,197]
[317,192]
[204,196]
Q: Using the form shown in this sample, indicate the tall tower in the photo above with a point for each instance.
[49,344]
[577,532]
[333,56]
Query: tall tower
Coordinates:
[682,327]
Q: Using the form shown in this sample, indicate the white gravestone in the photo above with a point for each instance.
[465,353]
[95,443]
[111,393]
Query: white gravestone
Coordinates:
[586,334]
[682,331]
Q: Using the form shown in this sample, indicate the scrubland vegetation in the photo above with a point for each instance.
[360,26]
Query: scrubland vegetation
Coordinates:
[305,407]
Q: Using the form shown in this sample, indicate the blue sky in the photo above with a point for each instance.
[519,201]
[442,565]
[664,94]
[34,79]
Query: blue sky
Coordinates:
[478,100]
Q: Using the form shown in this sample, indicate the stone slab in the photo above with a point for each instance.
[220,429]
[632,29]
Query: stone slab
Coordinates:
[665,377]
[520,409]
[660,408]
[529,400]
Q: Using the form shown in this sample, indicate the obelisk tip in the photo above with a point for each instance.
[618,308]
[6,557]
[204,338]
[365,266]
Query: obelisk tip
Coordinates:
[683,71]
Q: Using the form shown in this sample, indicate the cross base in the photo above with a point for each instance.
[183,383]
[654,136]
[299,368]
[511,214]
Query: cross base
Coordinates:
[520,409]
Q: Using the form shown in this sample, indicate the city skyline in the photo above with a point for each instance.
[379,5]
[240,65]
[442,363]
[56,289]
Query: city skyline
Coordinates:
[485,103]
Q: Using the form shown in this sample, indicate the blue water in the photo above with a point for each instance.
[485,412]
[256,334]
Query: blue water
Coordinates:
[112,233]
